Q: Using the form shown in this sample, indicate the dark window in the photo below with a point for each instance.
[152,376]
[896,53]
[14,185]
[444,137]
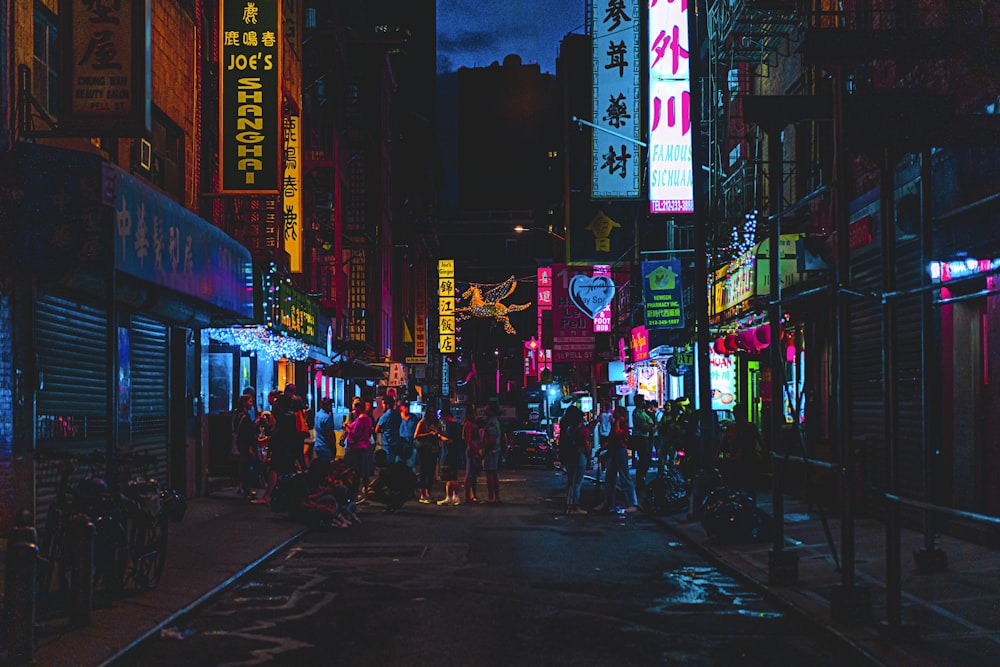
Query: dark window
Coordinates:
[166,170]
[45,78]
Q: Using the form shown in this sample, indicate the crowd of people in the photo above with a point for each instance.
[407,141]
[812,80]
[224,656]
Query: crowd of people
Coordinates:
[391,455]
[670,433]
[290,460]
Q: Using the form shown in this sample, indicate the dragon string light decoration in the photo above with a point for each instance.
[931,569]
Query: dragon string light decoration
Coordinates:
[485,301]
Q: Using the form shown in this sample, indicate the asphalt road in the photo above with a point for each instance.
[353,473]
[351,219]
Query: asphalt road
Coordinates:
[512,584]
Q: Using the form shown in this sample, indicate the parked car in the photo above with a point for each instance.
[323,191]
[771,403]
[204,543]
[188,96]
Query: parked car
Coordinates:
[530,448]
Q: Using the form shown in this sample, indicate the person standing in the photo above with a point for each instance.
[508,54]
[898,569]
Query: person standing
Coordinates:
[325,447]
[358,452]
[492,443]
[604,423]
[388,428]
[407,429]
[245,434]
[284,445]
[574,452]
[642,429]
[250,391]
[452,456]
[618,443]
[300,412]
[428,442]
[472,434]
[743,451]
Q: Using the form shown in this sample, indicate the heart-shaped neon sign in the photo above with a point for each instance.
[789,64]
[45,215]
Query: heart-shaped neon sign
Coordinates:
[591,294]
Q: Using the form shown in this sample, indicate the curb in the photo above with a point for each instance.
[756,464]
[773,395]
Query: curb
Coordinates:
[204,599]
[734,570]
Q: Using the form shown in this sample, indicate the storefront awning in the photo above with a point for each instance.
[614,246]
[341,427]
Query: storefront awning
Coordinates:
[78,212]
[354,370]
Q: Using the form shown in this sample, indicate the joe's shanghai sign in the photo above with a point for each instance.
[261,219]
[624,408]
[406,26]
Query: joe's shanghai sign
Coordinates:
[106,67]
[249,95]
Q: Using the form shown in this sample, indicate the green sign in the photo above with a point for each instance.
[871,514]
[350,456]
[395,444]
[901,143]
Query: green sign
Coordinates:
[663,294]
[296,313]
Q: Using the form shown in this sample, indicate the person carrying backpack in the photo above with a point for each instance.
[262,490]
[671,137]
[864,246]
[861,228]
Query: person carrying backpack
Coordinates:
[492,444]
[574,452]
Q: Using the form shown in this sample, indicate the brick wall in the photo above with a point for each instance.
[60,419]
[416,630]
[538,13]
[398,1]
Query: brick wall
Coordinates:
[173,87]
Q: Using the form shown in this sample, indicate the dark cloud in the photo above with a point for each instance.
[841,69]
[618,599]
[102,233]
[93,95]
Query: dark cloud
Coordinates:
[474,34]
[467,41]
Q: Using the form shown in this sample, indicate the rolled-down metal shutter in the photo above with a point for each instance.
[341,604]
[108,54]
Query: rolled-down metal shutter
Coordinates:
[72,348]
[72,402]
[150,432]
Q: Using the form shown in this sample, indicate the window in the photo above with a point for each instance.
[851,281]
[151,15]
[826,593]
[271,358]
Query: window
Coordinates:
[45,77]
[167,165]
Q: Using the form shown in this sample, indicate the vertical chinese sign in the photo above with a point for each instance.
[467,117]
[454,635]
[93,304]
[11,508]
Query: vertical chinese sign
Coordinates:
[446,318]
[671,189]
[446,306]
[292,222]
[662,294]
[544,302]
[617,93]
[249,96]
[420,314]
[291,192]
[106,67]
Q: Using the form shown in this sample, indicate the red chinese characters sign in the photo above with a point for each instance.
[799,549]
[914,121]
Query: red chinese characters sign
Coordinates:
[420,312]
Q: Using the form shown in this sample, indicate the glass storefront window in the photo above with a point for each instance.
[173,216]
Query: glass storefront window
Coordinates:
[220,382]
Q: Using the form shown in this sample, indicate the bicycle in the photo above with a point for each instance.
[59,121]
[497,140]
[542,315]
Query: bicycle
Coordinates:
[130,526]
[150,509]
[57,552]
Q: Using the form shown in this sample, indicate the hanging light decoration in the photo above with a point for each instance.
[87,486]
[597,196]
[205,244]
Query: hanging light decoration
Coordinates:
[260,339]
[485,301]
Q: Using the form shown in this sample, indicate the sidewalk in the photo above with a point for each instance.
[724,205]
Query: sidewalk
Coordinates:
[220,537]
[955,613]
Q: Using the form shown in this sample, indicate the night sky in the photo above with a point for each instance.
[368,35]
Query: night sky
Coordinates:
[475,33]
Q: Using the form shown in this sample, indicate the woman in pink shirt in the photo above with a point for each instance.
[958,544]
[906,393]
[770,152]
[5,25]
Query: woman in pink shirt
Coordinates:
[358,452]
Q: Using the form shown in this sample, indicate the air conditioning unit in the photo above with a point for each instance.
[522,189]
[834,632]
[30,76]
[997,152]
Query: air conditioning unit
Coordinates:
[733,79]
[144,155]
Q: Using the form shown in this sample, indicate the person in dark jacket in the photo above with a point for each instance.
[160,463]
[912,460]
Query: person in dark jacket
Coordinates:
[284,446]
[245,432]
[574,451]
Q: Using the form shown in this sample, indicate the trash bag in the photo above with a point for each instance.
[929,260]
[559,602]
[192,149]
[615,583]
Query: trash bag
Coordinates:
[176,504]
[289,492]
[393,486]
[666,493]
[730,516]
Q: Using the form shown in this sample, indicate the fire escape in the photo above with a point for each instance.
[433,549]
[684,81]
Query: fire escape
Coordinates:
[745,38]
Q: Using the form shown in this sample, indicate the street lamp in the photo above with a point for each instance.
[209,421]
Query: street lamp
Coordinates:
[549,231]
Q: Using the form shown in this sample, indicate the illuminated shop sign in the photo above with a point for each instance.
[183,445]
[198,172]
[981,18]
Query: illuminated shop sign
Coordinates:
[106,67]
[663,294]
[249,95]
[446,306]
[420,314]
[291,192]
[617,94]
[942,272]
[671,189]
[602,320]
